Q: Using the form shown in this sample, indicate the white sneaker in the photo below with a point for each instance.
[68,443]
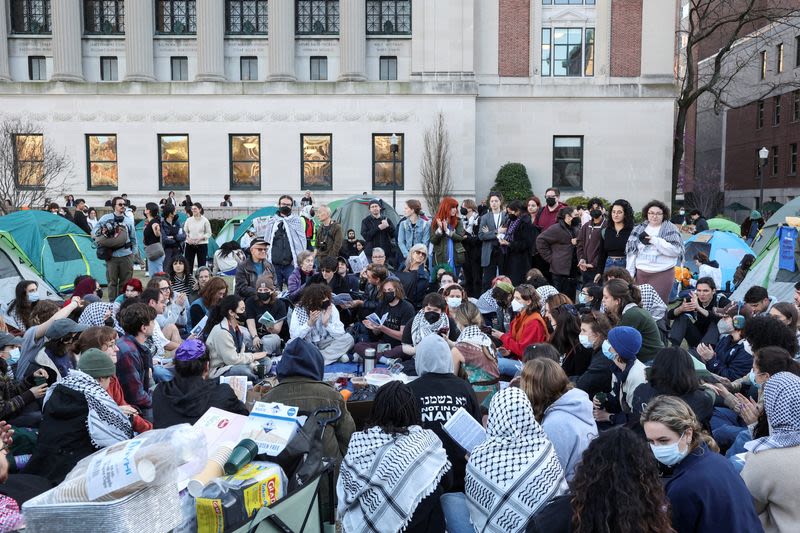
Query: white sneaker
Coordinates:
[355,358]
[344,359]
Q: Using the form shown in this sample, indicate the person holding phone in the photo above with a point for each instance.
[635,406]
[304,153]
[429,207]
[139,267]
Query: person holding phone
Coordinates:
[526,328]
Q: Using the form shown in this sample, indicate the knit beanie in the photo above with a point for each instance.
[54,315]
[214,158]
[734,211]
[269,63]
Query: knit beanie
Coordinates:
[626,341]
[96,363]
[505,286]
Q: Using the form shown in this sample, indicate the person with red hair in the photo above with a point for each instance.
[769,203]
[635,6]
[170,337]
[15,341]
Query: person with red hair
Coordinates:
[448,234]
[131,289]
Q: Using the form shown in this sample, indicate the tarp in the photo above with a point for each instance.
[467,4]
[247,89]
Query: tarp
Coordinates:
[767,273]
[724,224]
[247,222]
[57,248]
[791,209]
[353,210]
[724,247]
[15,267]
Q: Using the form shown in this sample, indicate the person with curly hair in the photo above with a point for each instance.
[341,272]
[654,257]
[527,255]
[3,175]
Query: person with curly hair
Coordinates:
[704,490]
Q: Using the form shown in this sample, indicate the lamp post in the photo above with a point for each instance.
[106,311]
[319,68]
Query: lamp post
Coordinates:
[394,146]
[763,155]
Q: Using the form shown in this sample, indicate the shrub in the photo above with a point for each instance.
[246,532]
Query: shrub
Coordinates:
[512,182]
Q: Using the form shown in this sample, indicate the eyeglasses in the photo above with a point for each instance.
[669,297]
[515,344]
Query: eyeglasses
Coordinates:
[164,289]
[120,205]
[655,213]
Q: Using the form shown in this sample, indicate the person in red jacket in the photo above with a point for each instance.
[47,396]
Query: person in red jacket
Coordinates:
[548,215]
[528,327]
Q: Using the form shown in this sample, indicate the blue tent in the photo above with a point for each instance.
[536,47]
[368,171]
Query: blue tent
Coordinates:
[724,247]
[246,223]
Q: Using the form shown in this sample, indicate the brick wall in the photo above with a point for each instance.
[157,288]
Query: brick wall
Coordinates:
[514,39]
[626,38]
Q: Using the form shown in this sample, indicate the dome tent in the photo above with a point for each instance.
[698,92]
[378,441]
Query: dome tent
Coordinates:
[15,267]
[791,209]
[724,247]
[766,270]
[351,211]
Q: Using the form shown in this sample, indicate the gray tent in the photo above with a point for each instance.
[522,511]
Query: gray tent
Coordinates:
[766,273]
[791,209]
[351,211]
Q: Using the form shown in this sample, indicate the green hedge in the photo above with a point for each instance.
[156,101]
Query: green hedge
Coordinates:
[513,183]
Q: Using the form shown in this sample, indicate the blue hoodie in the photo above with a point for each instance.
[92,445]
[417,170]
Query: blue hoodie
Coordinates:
[570,426]
[303,359]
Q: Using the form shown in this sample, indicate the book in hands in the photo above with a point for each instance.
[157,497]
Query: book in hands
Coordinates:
[198,329]
[268,320]
[377,320]
[465,430]
[342,299]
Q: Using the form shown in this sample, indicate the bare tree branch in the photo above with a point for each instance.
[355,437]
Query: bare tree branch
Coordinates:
[435,168]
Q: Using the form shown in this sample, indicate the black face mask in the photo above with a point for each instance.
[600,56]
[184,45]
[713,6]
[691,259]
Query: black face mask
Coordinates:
[264,296]
[432,316]
[99,293]
[550,201]
[512,216]
[285,210]
[463,211]
[595,213]
[241,317]
[389,296]
[576,222]
[326,304]
[311,213]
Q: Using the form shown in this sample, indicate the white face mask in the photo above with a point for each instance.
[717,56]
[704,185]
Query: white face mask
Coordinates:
[453,302]
[517,306]
[585,342]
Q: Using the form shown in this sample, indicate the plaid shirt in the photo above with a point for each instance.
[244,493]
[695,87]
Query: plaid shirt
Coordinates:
[133,372]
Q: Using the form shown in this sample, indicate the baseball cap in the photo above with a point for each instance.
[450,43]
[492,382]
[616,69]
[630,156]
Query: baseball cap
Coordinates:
[257,241]
[7,339]
[63,327]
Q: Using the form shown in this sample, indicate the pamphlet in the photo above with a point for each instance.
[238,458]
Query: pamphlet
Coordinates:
[198,329]
[238,384]
[342,299]
[271,426]
[377,320]
[268,320]
[220,426]
[465,430]
[358,262]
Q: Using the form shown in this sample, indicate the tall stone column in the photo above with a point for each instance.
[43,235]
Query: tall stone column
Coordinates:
[5,74]
[352,40]
[139,29]
[67,53]
[210,41]
[281,40]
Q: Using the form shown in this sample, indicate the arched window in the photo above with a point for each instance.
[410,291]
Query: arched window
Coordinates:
[30,16]
[388,17]
[246,17]
[176,16]
[104,16]
[317,17]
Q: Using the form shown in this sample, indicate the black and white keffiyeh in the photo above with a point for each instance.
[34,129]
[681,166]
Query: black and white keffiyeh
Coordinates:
[107,425]
[473,335]
[668,231]
[421,328]
[384,477]
[782,404]
[514,471]
[318,331]
[95,315]
[545,292]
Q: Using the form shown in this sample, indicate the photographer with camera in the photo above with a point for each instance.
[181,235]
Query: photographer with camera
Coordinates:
[329,235]
[116,241]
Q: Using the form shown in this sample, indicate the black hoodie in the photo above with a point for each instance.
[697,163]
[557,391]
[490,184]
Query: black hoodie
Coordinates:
[187,399]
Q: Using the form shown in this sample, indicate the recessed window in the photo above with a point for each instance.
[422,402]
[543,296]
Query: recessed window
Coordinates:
[776,116]
[796,105]
[387,167]
[775,161]
[108,69]
[779,58]
[180,68]
[319,68]
[388,68]
[104,17]
[389,17]
[245,159]
[37,68]
[173,161]
[101,154]
[763,71]
[570,52]
[30,16]
[568,162]
[797,51]
[249,68]
[246,17]
[317,161]
[176,16]
[760,114]
[29,159]
[546,51]
[793,159]
[317,17]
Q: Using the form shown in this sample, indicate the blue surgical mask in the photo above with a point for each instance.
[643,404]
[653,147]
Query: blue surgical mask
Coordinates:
[607,350]
[752,377]
[33,296]
[582,298]
[585,342]
[669,454]
[13,356]
[453,302]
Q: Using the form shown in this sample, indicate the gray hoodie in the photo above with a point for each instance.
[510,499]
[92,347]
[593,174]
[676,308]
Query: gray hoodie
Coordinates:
[570,426]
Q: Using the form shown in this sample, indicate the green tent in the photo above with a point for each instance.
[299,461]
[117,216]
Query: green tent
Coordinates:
[58,249]
[724,224]
[15,267]
[228,230]
[353,210]
[246,223]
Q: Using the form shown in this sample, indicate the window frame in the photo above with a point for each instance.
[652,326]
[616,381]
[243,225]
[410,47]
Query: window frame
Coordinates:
[548,44]
[115,67]
[795,105]
[759,114]
[381,16]
[46,27]
[389,60]
[233,186]
[242,60]
[311,31]
[117,24]
[258,16]
[563,187]
[190,18]
[18,161]
[568,2]
[797,51]
[774,155]
[320,60]
[89,162]
[303,161]
[776,111]
[763,70]
[38,59]
[401,160]
[161,185]
[172,60]
[793,159]
[779,58]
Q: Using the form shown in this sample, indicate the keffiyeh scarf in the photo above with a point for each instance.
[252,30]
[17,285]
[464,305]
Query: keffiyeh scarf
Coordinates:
[107,425]
[668,232]
[95,315]
[318,330]
[515,471]
[421,328]
[474,336]
[384,477]
[545,292]
[782,404]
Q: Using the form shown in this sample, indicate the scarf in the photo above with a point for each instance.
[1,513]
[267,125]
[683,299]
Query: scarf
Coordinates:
[384,477]
[318,331]
[511,229]
[107,425]
[95,315]
[782,404]
[545,292]
[265,227]
[451,255]
[668,232]
[421,328]
[473,335]
[515,471]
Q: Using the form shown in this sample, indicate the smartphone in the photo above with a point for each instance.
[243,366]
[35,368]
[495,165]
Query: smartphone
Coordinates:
[39,380]
[486,329]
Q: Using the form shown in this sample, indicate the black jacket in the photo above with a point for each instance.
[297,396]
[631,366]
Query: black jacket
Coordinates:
[79,218]
[378,238]
[597,377]
[187,399]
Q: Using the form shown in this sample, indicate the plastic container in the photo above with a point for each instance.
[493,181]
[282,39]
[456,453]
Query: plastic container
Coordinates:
[243,453]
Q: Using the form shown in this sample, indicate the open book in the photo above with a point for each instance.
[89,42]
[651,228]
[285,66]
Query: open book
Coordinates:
[358,262]
[465,430]
[341,299]
[268,320]
[377,320]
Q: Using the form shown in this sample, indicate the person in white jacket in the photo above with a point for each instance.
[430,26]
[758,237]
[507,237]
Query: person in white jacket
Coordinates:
[316,320]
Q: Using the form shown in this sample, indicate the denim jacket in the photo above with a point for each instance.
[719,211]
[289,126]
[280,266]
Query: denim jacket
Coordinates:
[408,236]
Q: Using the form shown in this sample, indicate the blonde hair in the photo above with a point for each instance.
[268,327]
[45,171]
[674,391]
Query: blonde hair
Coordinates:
[417,247]
[467,314]
[543,382]
[676,415]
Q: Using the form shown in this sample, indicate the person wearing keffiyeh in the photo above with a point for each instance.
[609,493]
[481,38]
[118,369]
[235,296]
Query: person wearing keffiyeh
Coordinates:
[772,468]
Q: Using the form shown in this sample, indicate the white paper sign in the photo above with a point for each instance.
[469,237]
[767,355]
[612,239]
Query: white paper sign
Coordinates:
[112,470]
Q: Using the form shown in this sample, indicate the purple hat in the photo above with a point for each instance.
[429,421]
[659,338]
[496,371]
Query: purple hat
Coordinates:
[190,349]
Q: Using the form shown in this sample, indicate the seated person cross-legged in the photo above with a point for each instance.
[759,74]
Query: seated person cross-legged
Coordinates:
[398,313]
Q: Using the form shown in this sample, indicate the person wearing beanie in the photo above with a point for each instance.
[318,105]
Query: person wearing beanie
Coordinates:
[751,226]
[627,372]
[378,232]
[79,417]
[300,373]
[187,397]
